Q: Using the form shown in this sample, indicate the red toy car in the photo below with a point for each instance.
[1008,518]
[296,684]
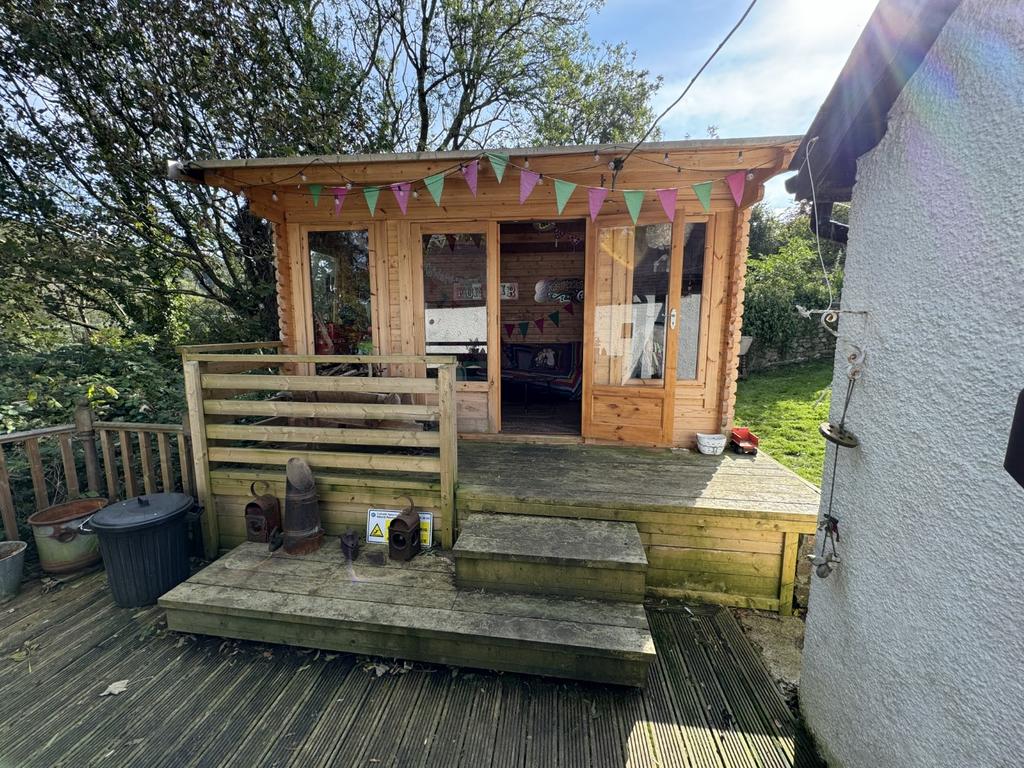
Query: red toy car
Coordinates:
[742,440]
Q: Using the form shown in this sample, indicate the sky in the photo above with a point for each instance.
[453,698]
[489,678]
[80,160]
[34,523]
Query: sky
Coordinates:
[768,80]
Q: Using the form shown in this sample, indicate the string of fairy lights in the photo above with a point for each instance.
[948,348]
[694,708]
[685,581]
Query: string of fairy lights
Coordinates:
[500,163]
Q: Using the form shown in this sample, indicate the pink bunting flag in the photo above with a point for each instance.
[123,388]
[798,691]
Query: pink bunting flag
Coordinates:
[737,181]
[668,201]
[509,328]
[469,173]
[539,322]
[527,181]
[568,308]
[595,197]
[402,190]
[339,199]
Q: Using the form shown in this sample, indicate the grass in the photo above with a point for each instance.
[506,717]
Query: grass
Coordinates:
[782,408]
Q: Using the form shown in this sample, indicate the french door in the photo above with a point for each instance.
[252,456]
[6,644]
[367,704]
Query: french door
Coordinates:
[631,305]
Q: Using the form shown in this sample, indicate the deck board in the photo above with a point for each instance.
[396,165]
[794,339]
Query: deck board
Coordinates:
[194,701]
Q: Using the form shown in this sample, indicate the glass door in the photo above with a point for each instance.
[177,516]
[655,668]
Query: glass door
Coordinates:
[630,311]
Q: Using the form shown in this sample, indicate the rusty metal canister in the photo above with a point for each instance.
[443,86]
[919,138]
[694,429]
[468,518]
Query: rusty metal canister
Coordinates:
[62,546]
[262,515]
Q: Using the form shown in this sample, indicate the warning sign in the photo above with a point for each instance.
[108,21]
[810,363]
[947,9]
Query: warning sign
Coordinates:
[378,520]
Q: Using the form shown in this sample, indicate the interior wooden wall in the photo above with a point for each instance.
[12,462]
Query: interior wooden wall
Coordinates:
[705,404]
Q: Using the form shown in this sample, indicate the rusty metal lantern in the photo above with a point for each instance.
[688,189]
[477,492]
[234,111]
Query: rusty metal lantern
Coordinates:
[300,532]
[404,534]
[262,515]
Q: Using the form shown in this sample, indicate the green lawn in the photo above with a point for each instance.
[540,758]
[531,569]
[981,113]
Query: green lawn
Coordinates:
[782,408]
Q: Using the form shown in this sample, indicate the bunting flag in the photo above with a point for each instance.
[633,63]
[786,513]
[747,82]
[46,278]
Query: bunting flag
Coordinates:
[539,322]
[435,185]
[668,202]
[527,181]
[563,191]
[737,181]
[370,194]
[469,173]
[524,327]
[703,192]
[634,201]
[509,328]
[339,199]
[554,317]
[595,198]
[498,163]
[568,308]
[402,190]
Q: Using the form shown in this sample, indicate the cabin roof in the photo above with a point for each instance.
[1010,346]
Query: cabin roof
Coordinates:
[456,155]
[853,118]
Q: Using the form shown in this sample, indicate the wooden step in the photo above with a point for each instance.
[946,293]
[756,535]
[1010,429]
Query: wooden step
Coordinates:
[410,611]
[597,559]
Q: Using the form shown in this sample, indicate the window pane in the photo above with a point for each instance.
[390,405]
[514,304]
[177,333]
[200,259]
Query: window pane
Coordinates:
[340,277]
[690,303]
[632,285]
[455,300]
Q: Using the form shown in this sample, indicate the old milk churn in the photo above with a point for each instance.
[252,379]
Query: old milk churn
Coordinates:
[262,515]
[404,534]
[300,531]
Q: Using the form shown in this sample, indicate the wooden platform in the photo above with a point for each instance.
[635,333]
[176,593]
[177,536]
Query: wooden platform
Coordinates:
[410,611]
[201,701]
[723,529]
[599,559]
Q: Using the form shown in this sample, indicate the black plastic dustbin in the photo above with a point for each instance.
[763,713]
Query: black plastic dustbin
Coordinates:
[144,544]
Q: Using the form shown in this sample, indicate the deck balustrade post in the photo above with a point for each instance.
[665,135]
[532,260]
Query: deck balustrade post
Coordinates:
[201,458]
[449,451]
[86,435]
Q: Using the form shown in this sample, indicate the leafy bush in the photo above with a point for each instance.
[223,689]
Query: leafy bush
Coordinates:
[123,379]
[776,284]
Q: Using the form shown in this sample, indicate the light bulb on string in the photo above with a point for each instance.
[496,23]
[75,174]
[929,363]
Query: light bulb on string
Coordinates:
[750,175]
[348,185]
[597,156]
[415,195]
[302,175]
[526,162]
[273,196]
[665,158]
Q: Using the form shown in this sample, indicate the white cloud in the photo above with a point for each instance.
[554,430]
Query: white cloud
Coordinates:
[773,74]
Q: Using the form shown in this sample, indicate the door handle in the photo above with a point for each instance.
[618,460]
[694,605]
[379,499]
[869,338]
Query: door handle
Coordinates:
[672,319]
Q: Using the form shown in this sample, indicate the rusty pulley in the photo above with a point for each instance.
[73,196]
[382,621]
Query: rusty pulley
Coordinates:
[262,514]
[300,531]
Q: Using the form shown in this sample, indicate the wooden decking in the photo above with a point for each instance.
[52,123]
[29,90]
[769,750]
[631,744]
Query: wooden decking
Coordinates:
[411,610]
[723,529]
[197,701]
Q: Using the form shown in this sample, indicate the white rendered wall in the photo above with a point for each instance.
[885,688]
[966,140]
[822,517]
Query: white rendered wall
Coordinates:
[914,653]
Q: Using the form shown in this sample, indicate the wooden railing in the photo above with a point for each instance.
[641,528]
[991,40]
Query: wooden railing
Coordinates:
[321,423]
[122,465]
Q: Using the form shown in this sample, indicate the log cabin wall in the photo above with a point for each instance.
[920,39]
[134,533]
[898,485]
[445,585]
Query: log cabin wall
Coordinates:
[704,403]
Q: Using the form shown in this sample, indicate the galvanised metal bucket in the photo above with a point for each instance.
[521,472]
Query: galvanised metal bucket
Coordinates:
[12,563]
[62,546]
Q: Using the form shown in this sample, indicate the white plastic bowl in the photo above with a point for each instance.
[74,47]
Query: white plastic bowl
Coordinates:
[711,445]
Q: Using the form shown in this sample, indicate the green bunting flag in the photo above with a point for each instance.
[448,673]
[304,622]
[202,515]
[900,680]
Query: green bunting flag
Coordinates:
[435,185]
[371,194]
[563,191]
[498,163]
[523,328]
[703,192]
[554,317]
[314,191]
[634,200]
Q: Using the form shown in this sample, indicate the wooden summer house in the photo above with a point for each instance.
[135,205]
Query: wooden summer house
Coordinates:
[515,341]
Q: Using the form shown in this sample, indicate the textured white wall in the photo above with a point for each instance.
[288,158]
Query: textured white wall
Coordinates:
[914,653]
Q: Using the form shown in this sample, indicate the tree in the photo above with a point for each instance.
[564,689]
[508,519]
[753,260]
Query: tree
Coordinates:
[96,96]
[451,74]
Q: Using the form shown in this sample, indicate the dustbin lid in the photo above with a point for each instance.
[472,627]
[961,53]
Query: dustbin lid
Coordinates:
[141,512]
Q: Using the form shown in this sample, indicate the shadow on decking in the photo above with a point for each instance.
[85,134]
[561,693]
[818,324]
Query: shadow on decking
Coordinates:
[205,701]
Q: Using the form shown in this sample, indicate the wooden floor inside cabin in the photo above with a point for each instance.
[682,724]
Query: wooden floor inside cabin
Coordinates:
[201,701]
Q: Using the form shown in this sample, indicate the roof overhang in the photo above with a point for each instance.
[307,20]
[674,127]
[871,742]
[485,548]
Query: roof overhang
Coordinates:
[854,116]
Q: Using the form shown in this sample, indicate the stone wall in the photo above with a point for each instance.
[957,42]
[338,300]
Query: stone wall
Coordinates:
[817,344]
